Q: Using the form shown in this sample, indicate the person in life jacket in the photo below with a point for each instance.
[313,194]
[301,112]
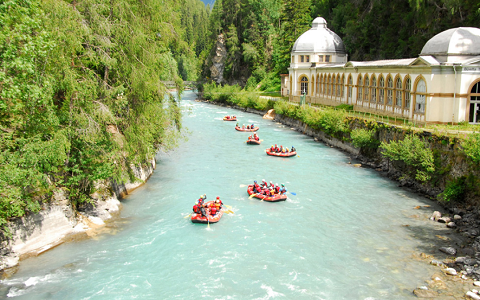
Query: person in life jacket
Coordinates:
[243,126]
[267,192]
[196,208]
[218,205]
[271,185]
[201,199]
[276,148]
[283,190]
[213,210]
[219,201]
[292,149]
[264,183]
[277,188]
[233,117]
[272,149]
[252,127]
[286,150]
[281,149]
[250,137]
[237,125]
[255,136]
[202,211]
[227,117]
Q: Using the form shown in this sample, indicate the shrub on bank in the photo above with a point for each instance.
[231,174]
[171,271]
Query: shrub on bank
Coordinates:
[234,95]
[414,153]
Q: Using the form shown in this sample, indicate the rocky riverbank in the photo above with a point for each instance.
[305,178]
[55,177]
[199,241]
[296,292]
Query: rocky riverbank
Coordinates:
[58,222]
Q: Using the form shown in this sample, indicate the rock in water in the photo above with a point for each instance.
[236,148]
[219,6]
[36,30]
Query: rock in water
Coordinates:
[435,216]
[448,250]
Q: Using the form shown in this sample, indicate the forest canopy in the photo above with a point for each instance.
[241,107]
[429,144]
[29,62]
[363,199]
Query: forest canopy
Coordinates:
[259,34]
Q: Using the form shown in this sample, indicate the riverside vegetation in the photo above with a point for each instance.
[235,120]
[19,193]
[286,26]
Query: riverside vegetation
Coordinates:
[440,166]
[81,92]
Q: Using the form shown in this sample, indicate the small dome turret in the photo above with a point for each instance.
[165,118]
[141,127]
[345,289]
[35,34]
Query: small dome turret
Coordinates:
[319,39]
[453,43]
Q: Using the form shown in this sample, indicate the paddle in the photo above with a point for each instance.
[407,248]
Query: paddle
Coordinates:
[188,215]
[252,195]
[227,206]
[293,193]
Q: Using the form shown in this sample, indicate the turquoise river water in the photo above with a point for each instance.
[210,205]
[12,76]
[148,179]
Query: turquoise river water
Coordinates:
[349,233]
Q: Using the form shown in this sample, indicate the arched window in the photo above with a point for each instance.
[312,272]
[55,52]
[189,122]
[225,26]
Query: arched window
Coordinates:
[408,88]
[317,83]
[474,112]
[389,91]
[374,90]
[312,85]
[420,97]
[338,85]
[350,89]
[329,80]
[304,85]
[366,89]
[360,90]
[342,87]
[331,87]
[325,84]
[398,92]
[381,91]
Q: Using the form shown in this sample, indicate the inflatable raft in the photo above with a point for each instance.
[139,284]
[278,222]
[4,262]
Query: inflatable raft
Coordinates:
[274,198]
[198,218]
[245,129]
[229,119]
[287,154]
[253,142]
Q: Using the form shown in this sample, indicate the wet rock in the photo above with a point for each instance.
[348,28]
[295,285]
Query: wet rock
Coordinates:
[457,217]
[450,271]
[451,225]
[472,295]
[444,220]
[437,263]
[421,293]
[448,250]
[435,216]
[460,260]
[476,283]
[470,261]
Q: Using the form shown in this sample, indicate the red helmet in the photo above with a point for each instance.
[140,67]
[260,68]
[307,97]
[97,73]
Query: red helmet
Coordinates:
[218,197]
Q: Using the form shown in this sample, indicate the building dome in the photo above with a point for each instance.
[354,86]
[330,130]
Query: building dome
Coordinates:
[319,39]
[461,41]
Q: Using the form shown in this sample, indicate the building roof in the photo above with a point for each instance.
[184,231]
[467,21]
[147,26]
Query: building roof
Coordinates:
[319,39]
[455,41]
[381,63]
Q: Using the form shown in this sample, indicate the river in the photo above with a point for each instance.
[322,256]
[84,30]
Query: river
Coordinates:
[348,233]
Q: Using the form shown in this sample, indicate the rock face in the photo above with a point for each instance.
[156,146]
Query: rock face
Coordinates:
[58,222]
[218,60]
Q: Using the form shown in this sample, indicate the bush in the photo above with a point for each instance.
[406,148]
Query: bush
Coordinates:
[414,153]
[364,138]
[471,147]
[454,191]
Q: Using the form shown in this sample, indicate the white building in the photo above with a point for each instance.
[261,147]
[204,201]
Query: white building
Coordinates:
[442,85]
